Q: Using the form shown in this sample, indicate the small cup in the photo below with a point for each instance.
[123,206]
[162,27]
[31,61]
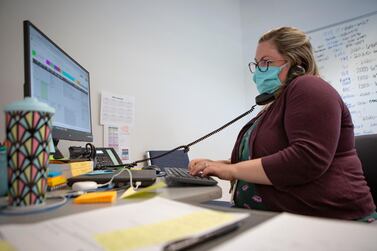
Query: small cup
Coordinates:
[28,132]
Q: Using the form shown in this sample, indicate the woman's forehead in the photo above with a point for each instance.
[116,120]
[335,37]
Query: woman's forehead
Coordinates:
[268,50]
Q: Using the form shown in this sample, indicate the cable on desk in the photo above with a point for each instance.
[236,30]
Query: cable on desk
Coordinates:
[138,183]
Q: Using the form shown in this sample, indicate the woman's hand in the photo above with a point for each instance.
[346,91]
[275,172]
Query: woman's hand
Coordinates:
[205,167]
[249,170]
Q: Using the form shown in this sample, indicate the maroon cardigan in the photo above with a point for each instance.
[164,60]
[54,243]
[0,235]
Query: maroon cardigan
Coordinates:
[306,142]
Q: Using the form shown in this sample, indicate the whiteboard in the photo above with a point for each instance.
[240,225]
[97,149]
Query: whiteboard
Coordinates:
[346,54]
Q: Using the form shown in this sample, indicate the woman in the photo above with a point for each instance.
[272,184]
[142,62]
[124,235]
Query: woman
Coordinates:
[298,154]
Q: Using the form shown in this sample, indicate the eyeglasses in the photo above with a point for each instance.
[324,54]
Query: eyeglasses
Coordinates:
[262,65]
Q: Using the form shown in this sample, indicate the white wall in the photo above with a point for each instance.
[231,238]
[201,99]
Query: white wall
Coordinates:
[180,59]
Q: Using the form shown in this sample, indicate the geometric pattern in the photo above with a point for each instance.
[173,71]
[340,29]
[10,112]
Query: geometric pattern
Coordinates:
[29,134]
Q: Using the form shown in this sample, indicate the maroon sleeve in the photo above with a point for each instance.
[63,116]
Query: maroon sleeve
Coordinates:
[312,122]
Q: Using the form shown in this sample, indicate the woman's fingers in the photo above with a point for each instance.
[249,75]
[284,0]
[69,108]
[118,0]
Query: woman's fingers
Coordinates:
[197,166]
[208,170]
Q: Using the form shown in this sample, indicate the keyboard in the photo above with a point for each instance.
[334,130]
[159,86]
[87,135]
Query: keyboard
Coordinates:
[180,177]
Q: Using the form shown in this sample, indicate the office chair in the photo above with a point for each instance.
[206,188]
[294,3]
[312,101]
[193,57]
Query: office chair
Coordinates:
[366,147]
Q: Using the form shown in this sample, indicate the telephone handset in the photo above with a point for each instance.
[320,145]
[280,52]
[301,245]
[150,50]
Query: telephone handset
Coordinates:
[264,98]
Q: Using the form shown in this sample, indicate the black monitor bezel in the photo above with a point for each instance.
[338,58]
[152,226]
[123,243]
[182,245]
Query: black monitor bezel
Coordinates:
[57,132]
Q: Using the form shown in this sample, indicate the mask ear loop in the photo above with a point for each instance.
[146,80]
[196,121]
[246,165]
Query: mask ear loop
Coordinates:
[284,65]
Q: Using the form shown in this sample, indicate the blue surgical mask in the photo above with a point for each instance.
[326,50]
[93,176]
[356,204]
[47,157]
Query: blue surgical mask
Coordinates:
[268,81]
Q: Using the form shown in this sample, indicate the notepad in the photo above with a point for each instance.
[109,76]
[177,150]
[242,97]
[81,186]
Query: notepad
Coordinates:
[96,197]
[55,181]
[6,246]
[148,235]
[130,192]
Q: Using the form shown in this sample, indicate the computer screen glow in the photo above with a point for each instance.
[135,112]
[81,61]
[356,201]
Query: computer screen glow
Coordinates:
[56,79]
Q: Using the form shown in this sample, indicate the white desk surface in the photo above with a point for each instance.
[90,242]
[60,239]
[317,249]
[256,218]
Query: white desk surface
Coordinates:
[192,195]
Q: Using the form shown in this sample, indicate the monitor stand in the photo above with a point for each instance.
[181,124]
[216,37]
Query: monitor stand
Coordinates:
[57,154]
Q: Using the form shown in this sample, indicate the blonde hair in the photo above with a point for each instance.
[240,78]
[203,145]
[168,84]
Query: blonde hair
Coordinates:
[293,45]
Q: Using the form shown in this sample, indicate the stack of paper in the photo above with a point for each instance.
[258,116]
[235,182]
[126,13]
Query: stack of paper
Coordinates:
[289,232]
[146,225]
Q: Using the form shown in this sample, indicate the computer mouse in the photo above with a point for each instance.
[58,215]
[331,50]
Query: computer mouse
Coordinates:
[84,186]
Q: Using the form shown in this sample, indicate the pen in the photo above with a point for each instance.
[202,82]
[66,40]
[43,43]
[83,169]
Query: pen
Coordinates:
[184,243]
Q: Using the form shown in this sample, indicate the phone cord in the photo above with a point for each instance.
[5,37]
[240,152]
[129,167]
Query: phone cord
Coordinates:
[186,148]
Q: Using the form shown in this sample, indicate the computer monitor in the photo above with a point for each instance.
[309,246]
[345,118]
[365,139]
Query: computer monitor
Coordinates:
[53,77]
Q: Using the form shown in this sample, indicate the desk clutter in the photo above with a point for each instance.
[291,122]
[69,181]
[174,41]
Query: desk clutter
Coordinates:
[80,177]
[70,169]
[146,177]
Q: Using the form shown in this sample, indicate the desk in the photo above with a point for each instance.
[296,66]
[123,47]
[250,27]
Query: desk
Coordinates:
[191,195]
[255,218]
[182,194]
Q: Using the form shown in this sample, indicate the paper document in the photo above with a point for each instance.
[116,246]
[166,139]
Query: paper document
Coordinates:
[131,193]
[294,232]
[117,109]
[146,225]
[117,137]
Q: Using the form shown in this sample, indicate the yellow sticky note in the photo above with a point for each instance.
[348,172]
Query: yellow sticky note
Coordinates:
[78,168]
[96,197]
[6,246]
[144,236]
[131,193]
[54,181]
